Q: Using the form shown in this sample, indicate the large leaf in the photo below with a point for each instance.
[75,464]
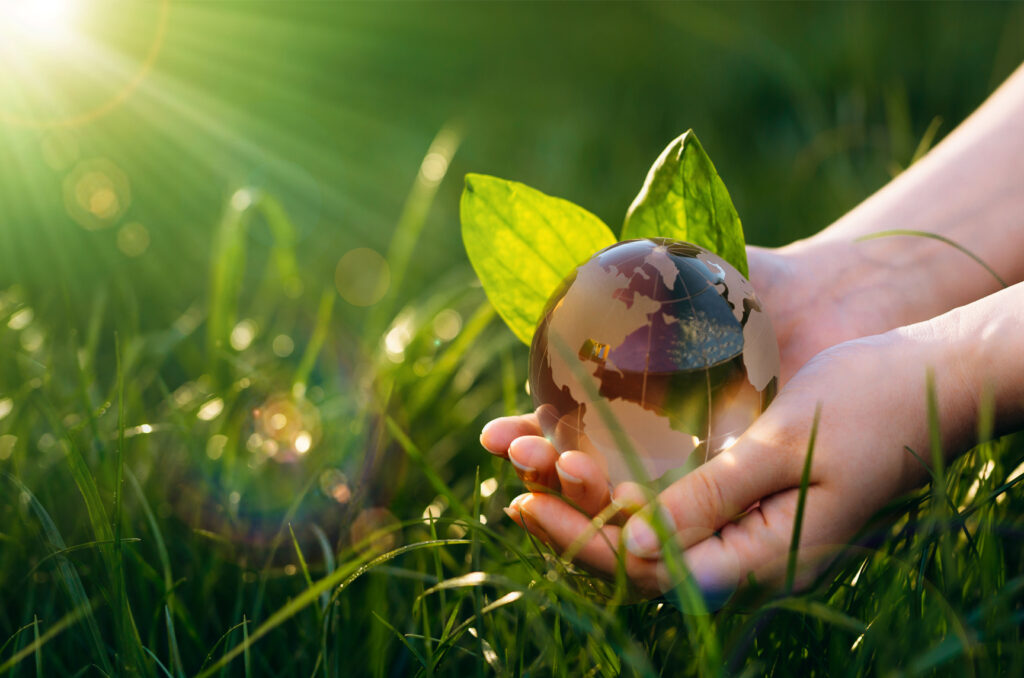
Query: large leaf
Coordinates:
[684,198]
[523,243]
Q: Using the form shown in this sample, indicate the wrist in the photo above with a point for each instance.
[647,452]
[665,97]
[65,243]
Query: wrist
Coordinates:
[973,352]
[821,292]
[989,335]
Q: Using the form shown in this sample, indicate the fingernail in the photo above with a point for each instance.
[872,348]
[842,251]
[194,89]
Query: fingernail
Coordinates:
[641,539]
[522,467]
[483,435]
[521,499]
[564,475]
[516,510]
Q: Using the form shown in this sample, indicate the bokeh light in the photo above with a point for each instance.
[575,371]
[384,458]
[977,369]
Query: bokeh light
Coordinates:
[447,324]
[21,319]
[242,199]
[285,428]
[243,334]
[133,239]
[96,193]
[488,487]
[334,484]
[397,339]
[215,446]
[362,277]
[282,346]
[211,409]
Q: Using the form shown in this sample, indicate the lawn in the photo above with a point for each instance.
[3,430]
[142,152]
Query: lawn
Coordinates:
[244,361]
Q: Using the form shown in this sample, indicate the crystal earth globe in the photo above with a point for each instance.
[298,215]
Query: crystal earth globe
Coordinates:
[652,357]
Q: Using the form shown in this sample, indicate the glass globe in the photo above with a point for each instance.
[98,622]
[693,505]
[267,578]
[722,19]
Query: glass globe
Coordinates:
[652,356]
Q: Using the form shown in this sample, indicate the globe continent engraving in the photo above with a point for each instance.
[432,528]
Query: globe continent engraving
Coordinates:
[652,356]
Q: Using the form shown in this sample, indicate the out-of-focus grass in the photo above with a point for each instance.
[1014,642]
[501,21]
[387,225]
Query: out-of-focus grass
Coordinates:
[213,465]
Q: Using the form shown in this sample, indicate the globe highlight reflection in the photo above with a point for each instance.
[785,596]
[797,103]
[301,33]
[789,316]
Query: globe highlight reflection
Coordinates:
[653,356]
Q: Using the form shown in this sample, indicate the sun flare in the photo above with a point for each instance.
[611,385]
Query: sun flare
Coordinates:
[43,22]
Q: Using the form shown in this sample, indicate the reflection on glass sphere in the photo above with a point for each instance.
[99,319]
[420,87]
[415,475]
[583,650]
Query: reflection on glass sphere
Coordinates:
[658,344]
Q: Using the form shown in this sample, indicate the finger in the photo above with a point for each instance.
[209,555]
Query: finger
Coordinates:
[711,495]
[631,497]
[498,434]
[583,482]
[560,525]
[567,530]
[758,544]
[534,460]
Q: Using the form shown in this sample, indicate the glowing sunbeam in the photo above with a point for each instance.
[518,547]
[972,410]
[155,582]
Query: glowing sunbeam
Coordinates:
[44,21]
[48,51]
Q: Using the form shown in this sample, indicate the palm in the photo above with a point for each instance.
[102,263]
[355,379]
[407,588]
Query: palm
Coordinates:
[804,322]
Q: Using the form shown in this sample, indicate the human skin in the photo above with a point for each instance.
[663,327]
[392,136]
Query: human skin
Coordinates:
[859,325]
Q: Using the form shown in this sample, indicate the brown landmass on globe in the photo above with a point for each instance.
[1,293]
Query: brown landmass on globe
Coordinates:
[660,341]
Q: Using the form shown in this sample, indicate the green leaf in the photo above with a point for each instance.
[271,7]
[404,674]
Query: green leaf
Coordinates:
[685,199]
[523,243]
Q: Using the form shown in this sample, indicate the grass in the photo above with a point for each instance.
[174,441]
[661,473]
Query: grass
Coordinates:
[157,516]
[154,522]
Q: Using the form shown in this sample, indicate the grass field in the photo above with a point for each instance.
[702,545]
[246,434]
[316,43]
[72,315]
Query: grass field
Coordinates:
[224,453]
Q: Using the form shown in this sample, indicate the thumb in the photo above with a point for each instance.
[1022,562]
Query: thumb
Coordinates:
[711,495]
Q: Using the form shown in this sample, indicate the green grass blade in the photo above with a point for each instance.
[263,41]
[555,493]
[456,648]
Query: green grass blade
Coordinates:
[798,518]
[246,654]
[821,611]
[316,341]
[72,549]
[68,574]
[927,139]
[39,648]
[157,661]
[416,456]
[301,557]
[68,620]
[165,566]
[227,266]
[405,641]
[940,238]
[340,578]
[121,601]
[412,220]
[172,643]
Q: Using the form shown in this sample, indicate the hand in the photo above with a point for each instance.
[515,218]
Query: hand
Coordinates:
[811,309]
[821,292]
[872,395]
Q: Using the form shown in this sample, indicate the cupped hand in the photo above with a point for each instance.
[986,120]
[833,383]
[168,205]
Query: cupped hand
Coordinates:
[810,310]
[733,516]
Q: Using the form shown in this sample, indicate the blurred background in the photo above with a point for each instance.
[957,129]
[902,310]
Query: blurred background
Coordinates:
[260,200]
[331,107]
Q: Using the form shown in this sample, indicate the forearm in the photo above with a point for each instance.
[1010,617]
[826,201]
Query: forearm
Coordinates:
[969,189]
[975,352]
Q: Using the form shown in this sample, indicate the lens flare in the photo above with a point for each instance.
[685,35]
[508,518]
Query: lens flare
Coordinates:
[45,41]
[96,194]
[286,428]
[133,239]
[41,21]
[363,277]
